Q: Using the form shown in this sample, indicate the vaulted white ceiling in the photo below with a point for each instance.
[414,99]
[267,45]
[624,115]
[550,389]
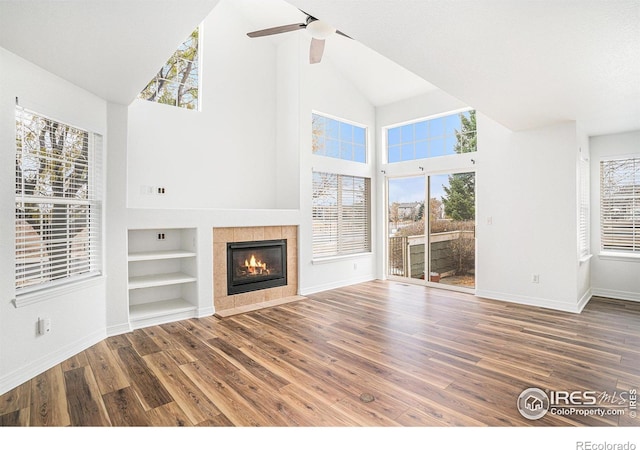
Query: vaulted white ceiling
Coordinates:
[109,47]
[525,63]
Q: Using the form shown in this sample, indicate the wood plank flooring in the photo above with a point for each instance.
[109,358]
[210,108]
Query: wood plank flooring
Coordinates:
[429,358]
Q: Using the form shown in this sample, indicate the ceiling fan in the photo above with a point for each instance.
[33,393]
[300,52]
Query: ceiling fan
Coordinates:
[318,30]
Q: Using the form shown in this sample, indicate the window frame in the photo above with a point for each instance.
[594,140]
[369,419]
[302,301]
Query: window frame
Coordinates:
[400,125]
[584,208]
[93,217]
[605,205]
[198,58]
[343,249]
[339,120]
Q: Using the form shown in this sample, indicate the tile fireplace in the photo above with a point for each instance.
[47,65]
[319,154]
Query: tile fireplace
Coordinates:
[263,269]
[256,265]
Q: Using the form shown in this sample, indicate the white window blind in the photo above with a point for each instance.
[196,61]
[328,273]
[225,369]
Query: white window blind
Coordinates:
[341,215]
[58,202]
[620,205]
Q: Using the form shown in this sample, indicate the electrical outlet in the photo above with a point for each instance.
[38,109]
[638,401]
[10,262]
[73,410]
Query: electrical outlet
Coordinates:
[535,278]
[44,326]
[161,237]
[160,190]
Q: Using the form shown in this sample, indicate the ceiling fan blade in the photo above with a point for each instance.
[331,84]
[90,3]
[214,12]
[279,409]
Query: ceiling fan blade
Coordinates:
[342,34]
[277,30]
[316,50]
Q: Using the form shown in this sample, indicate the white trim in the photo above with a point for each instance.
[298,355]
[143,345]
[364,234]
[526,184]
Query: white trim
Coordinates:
[615,294]
[424,119]
[585,258]
[200,65]
[584,300]
[449,287]
[615,256]
[205,312]
[115,330]
[163,318]
[536,301]
[336,285]
[385,137]
[51,292]
[330,259]
[340,119]
[430,284]
[49,360]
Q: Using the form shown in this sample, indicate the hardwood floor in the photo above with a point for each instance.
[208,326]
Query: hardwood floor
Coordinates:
[428,357]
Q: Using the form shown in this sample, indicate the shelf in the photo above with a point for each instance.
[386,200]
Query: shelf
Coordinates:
[157,255]
[162,264]
[159,309]
[160,279]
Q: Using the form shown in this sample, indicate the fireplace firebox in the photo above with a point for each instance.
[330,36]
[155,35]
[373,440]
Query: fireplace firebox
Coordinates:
[256,265]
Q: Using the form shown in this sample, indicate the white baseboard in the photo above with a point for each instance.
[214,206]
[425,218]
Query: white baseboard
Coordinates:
[336,285]
[619,295]
[35,368]
[535,301]
[116,330]
[205,312]
[584,300]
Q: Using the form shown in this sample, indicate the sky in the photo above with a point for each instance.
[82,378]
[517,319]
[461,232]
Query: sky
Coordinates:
[412,189]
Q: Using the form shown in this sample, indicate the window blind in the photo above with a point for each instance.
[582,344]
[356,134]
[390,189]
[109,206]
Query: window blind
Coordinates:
[620,204]
[341,215]
[58,207]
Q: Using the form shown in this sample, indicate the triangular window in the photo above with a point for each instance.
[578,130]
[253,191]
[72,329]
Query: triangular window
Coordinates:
[177,82]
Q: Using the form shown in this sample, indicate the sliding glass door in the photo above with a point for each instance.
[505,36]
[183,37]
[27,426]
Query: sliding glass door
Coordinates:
[432,240]
[406,225]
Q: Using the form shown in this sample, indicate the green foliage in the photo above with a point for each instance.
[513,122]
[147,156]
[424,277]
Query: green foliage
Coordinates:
[466,138]
[420,213]
[459,201]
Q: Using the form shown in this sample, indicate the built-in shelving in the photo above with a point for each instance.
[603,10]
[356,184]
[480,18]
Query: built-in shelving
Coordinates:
[162,275]
[154,255]
[160,279]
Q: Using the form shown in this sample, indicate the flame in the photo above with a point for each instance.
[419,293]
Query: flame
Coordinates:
[255,266]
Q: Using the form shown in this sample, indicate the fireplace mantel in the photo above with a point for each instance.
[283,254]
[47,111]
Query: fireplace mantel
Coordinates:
[224,304]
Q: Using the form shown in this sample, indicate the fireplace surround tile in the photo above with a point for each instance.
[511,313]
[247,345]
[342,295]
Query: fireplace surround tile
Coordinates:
[221,236]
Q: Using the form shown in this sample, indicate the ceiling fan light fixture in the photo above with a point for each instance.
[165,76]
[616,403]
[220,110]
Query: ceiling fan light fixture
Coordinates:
[319,29]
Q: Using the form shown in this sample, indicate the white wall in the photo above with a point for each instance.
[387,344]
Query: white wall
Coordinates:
[526,185]
[116,226]
[223,156]
[77,316]
[323,89]
[611,277]
[288,130]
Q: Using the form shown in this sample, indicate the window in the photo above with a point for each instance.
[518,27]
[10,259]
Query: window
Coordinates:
[58,207]
[338,139]
[583,208]
[177,81]
[620,205]
[341,215]
[447,135]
